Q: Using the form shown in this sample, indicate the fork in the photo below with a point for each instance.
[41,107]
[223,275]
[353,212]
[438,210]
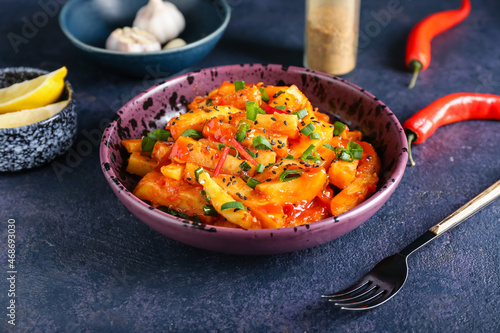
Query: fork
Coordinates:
[389,275]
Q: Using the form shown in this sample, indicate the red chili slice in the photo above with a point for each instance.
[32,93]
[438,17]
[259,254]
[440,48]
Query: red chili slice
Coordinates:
[242,151]
[271,110]
[222,159]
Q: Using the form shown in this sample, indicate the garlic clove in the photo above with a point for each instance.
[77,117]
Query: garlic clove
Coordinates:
[175,43]
[162,19]
[132,40]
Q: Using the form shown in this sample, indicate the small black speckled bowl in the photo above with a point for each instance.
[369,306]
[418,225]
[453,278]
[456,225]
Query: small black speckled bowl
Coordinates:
[34,145]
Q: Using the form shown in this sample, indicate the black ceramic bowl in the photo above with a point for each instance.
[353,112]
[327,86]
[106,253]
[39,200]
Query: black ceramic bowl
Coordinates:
[34,145]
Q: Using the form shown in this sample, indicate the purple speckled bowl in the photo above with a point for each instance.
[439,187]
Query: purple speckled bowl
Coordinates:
[340,99]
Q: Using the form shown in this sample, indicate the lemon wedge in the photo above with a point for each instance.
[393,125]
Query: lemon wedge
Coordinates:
[35,93]
[31,116]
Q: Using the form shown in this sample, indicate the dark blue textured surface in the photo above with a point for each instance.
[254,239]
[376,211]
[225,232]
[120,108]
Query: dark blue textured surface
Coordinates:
[86,264]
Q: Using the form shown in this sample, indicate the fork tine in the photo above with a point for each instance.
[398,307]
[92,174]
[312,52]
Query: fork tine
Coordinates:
[374,302]
[355,287]
[363,295]
[362,304]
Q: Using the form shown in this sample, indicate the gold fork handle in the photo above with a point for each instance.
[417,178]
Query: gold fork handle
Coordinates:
[479,202]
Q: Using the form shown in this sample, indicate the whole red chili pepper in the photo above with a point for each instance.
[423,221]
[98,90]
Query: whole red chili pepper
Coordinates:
[449,109]
[418,47]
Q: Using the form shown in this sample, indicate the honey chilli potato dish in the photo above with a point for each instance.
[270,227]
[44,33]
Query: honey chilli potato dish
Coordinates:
[253,156]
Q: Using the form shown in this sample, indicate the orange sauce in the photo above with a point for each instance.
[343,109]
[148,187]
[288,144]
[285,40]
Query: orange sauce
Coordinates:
[306,212]
[214,130]
[180,151]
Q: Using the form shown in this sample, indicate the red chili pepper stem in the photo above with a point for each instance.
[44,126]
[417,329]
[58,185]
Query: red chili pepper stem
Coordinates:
[410,136]
[415,66]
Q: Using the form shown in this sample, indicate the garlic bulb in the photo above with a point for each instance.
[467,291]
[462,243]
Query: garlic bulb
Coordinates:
[132,40]
[174,43]
[162,19]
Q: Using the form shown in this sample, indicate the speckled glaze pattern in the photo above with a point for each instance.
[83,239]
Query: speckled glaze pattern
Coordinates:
[340,99]
[34,145]
[88,24]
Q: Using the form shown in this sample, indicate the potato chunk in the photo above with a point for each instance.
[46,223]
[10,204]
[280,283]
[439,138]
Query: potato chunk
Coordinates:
[279,142]
[285,124]
[176,194]
[270,214]
[325,131]
[197,119]
[293,99]
[191,151]
[133,145]
[173,171]
[304,188]
[363,185]
[342,173]
[161,152]
[140,165]
[218,197]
